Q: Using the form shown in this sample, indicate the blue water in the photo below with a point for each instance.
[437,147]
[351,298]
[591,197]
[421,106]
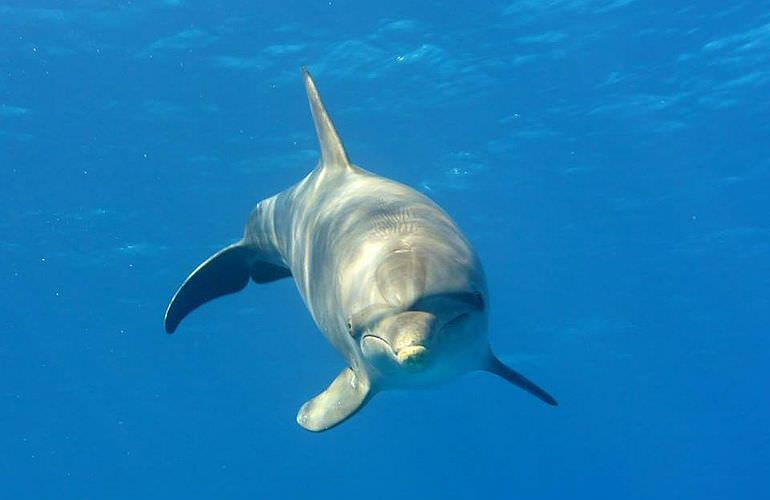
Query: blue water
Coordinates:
[608,159]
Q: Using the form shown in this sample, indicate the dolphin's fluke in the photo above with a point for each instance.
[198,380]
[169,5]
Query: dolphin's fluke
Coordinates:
[225,272]
[344,397]
[332,152]
[497,367]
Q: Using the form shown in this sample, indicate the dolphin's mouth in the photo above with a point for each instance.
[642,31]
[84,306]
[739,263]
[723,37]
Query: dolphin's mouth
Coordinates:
[412,357]
[373,342]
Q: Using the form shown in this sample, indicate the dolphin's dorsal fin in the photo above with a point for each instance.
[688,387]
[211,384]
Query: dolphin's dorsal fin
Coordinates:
[332,152]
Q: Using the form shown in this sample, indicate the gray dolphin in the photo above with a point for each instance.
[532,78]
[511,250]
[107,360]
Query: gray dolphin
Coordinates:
[385,273]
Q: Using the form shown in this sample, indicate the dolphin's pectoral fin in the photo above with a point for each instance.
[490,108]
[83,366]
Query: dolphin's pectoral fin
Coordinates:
[497,367]
[225,272]
[265,272]
[345,396]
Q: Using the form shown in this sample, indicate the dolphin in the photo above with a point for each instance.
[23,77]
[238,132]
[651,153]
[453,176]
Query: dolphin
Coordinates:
[385,273]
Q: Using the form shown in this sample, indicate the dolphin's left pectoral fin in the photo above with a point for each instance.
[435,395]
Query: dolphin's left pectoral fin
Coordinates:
[345,396]
[500,369]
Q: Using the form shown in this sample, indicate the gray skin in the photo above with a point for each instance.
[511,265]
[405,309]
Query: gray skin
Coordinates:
[385,273]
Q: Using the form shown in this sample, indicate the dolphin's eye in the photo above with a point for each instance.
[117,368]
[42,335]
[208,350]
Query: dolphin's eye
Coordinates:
[349,324]
[479,300]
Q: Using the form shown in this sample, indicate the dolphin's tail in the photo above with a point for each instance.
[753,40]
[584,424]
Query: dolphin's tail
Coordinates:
[500,369]
[225,272]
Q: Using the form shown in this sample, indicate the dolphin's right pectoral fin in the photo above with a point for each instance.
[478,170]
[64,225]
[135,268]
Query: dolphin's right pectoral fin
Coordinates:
[225,272]
[500,369]
[345,396]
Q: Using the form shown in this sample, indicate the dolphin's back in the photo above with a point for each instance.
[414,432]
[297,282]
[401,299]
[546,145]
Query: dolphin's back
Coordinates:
[336,228]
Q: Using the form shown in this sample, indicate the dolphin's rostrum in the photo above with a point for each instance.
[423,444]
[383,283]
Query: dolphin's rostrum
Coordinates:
[385,273]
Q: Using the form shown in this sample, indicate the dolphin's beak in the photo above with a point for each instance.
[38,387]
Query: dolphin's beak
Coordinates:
[413,357]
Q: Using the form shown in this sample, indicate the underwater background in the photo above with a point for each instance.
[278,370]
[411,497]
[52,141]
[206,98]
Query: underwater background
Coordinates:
[608,159]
